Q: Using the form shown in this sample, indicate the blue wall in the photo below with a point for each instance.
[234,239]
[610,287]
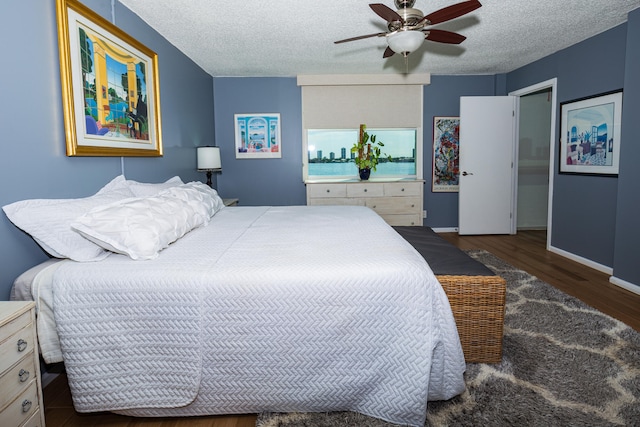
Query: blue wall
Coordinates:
[34,162]
[627,232]
[260,181]
[585,207]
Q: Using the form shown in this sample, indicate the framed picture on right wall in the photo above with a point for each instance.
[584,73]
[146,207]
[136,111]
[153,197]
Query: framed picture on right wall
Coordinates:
[590,135]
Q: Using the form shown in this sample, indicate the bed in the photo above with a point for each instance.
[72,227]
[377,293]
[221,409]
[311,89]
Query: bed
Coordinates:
[296,308]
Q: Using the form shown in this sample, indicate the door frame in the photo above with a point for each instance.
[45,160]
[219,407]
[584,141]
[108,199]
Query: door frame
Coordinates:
[547,84]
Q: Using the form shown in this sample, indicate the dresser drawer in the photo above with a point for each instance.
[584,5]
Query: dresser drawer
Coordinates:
[326,190]
[403,188]
[17,379]
[404,219]
[365,190]
[395,205]
[19,343]
[336,201]
[21,408]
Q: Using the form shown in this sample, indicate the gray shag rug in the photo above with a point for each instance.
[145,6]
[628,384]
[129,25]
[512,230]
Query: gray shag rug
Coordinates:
[563,364]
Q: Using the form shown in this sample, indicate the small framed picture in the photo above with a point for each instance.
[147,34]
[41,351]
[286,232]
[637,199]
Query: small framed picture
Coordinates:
[258,136]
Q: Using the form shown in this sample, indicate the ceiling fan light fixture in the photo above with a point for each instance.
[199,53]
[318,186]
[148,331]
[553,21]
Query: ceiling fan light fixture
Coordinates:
[405,42]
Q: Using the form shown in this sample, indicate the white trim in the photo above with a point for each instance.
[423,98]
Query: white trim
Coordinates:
[446,230]
[625,285]
[364,79]
[582,260]
[553,84]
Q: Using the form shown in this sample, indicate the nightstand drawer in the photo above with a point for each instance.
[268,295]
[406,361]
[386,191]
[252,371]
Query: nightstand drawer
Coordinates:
[18,344]
[20,409]
[35,420]
[17,379]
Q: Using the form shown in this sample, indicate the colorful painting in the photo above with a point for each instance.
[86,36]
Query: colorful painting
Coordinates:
[109,87]
[446,149]
[257,136]
[590,135]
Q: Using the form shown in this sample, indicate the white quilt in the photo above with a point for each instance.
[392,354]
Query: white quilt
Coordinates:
[267,308]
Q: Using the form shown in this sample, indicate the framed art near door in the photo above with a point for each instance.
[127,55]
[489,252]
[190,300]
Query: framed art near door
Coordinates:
[446,151]
[590,135]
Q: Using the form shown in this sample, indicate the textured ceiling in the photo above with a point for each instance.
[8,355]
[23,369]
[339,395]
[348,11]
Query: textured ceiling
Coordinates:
[290,37]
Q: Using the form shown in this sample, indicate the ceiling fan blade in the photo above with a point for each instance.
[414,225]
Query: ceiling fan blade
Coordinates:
[388,52]
[443,36]
[360,37]
[451,12]
[385,12]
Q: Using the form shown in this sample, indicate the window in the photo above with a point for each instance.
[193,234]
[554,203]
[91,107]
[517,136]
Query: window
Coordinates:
[329,153]
[333,107]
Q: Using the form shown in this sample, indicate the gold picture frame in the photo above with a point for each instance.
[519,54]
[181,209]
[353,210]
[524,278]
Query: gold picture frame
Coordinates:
[110,87]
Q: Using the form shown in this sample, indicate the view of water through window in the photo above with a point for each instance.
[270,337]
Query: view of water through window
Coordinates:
[330,151]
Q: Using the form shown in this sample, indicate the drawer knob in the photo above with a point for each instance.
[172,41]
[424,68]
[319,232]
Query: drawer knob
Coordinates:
[402,189]
[26,405]
[413,206]
[22,345]
[365,190]
[328,191]
[374,206]
[23,375]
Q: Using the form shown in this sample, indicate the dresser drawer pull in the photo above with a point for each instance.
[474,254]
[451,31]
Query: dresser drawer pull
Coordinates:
[328,191]
[23,375]
[374,206]
[26,405]
[365,190]
[22,345]
[402,189]
[412,205]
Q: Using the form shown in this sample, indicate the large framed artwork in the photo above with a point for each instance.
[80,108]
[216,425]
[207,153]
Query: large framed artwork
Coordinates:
[590,135]
[257,136]
[446,149]
[110,88]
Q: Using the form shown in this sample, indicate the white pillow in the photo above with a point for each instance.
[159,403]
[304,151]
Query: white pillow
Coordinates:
[200,195]
[115,184]
[143,189]
[48,221]
[142,227]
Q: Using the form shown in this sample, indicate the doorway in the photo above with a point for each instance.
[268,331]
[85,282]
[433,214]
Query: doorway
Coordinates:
[533,160]
[538,119]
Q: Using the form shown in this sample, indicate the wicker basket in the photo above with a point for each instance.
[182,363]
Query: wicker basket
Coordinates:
[478,304]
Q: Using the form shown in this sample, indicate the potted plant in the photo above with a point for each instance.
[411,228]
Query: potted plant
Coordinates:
[368,153]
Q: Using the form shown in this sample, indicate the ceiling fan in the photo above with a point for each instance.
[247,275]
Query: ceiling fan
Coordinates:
[407,26]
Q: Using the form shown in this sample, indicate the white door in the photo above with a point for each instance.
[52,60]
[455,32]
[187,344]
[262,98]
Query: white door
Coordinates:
[487,153]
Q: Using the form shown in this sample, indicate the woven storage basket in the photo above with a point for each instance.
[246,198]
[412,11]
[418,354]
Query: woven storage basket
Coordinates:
[478,304]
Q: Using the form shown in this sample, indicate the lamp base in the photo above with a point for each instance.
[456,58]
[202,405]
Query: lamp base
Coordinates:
[209,183]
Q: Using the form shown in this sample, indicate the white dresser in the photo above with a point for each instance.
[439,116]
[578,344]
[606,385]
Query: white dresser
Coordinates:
[398,202]
[20,387]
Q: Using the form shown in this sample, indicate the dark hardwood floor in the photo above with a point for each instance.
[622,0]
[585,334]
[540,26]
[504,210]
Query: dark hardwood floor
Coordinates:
[526,250]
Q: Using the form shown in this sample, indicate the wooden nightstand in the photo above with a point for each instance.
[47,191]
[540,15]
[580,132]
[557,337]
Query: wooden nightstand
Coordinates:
[20,387]
[230,202]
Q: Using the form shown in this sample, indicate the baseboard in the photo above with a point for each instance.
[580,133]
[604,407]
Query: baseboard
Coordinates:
[581,260]
[625,285]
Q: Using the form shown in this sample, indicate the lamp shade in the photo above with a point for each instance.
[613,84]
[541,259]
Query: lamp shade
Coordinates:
[405,41]
[209,159]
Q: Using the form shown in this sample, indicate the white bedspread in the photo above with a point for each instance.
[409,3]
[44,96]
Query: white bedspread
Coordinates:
[267,308]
